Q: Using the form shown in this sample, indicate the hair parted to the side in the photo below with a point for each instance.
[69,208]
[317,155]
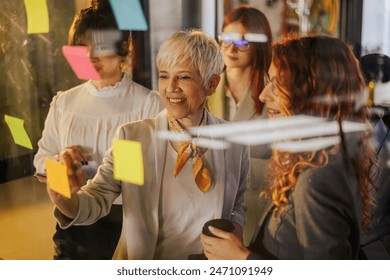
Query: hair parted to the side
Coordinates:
[99,17]
[195,48]
[254,21]
[320,76]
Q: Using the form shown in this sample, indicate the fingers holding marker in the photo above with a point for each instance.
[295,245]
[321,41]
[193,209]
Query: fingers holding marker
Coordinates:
[77,155]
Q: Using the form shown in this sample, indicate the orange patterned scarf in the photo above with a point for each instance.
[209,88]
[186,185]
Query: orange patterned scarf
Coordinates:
[189,150]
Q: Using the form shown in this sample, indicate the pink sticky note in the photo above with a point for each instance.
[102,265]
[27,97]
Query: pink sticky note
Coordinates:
[77,57]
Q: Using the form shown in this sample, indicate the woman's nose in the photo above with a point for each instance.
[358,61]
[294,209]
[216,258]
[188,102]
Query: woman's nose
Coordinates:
[91,54]
[231,48]
[264,95]
[172,84]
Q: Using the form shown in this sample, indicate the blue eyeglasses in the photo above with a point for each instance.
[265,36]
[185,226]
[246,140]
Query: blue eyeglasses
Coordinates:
[227,39]
[241,42]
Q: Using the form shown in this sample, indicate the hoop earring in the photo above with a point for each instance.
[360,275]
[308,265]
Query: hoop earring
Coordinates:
[122,63]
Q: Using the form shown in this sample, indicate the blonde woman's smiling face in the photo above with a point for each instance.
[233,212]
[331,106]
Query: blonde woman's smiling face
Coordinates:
[182,91]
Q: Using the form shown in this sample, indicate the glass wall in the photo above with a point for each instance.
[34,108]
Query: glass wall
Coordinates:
[33,68]
[32,71]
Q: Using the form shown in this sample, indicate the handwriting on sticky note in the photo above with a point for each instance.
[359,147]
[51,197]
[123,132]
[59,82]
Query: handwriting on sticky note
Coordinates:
[128,161]
[129,15]
[57,177]
[37,16]
[18,132]
[77,57]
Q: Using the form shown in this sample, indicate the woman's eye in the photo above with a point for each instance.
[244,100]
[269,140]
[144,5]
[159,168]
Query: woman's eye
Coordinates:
[184,77]
[274,90]
[162,77]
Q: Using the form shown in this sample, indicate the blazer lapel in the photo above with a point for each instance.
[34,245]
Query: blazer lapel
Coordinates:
[160,146]
[218,172]
[267,211]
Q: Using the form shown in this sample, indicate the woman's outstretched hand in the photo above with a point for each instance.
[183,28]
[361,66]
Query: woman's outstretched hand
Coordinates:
[69,206]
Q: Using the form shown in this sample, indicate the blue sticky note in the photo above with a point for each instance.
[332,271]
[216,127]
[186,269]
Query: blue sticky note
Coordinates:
[129,15]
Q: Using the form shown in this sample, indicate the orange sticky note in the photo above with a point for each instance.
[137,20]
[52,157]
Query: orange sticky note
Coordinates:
[57,177]
[18,132]
[37,16]
[77,57]
[128,161]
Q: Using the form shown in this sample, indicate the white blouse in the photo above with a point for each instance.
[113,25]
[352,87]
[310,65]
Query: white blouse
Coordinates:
[88,117]
[183,210]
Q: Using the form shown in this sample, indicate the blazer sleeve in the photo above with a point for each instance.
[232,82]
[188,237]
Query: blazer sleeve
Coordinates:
[326,216]
[239,209]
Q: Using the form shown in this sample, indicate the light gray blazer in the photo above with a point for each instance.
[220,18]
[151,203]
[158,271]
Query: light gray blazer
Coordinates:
[141,203]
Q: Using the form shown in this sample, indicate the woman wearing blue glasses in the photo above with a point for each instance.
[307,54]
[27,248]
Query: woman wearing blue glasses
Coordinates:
[246,43]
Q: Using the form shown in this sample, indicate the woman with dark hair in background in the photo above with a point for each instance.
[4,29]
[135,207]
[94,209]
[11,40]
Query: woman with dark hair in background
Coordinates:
[319,200]
[246,44]
[82,121]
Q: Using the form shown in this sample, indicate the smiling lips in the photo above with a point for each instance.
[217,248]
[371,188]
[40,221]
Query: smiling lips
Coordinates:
[176,100]
[272,111]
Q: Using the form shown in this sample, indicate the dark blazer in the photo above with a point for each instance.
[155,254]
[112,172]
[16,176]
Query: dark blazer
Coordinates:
[375,241]
[321,220]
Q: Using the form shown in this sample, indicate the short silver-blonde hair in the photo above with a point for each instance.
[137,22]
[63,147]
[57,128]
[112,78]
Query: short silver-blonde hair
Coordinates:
[195,48]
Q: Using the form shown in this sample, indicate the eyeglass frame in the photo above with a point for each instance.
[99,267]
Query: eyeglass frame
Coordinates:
[268,81]
[239,40]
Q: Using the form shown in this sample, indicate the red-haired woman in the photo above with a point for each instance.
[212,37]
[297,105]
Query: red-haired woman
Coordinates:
[319,200]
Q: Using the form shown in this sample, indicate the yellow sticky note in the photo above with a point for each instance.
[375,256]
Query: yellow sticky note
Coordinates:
[18,132]
[128,161]
[57,177]
[37,16]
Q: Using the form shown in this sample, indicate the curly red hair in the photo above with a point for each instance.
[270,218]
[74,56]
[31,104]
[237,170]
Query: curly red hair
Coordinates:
[320,76]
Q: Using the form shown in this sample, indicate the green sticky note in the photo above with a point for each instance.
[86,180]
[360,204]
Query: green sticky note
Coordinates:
[128,161]
[57,177]
[18,132]
[37,16]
